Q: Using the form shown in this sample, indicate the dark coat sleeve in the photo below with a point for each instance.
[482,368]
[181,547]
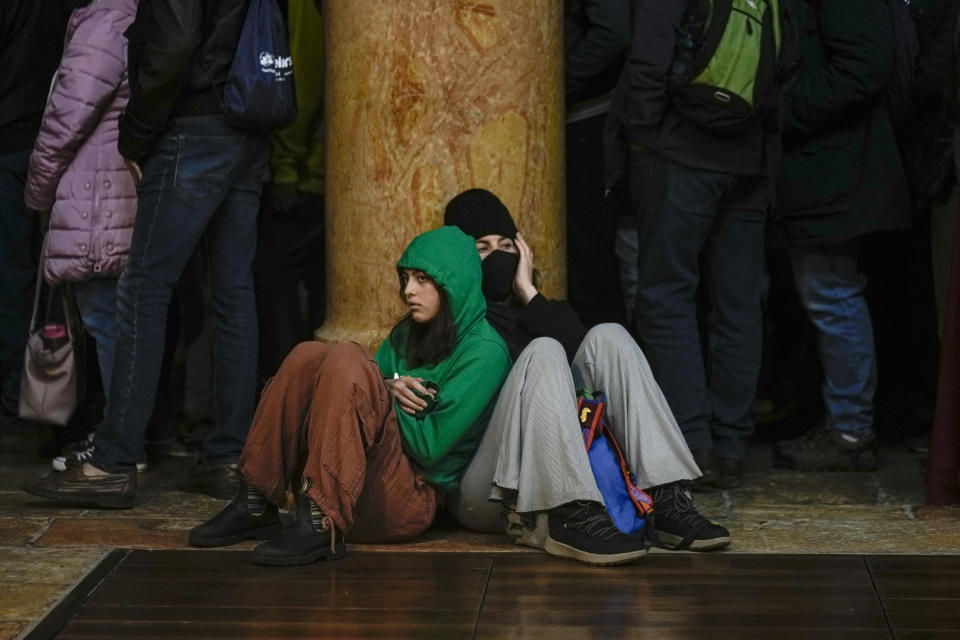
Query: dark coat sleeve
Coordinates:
[605,38]
[935,30]
[162,39]
[648,64]
[857,39]
[542,317]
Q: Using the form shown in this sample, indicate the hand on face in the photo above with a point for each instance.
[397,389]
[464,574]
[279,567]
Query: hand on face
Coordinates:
[403,391]
[523,281]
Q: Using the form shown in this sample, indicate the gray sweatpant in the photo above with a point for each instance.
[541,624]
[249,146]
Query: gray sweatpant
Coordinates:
[533,447]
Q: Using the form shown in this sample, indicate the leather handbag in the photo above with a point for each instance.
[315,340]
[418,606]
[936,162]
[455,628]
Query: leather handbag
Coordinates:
[51,386]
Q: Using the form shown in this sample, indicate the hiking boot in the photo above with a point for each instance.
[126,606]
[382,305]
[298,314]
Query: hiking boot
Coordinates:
[215,480]
[679,525]
[730,472]
[235,523]
[113,490]
[301,542]
[708,469]
[826,449]
[584,531]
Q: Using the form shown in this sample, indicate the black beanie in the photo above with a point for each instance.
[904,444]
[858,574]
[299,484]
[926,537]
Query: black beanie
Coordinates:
[479,213]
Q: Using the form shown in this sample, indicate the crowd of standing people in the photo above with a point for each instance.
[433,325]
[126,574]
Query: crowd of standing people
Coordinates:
[170,225]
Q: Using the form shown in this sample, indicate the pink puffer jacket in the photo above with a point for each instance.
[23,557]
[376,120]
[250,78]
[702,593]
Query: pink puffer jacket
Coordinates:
[75,171]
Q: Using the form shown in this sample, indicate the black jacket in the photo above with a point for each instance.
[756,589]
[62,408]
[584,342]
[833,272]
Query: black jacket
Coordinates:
[179,55]
[927,142]
[842,175]
[540,318]
[31,43]
[596,36]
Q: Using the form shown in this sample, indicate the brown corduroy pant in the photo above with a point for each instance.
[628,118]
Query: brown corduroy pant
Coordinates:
[327,418]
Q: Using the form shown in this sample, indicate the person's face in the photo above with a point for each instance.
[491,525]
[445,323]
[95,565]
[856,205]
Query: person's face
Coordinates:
[488,244]
[421,295]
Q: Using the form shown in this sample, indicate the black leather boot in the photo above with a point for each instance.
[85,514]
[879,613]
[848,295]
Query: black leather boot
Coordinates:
[235,523]
[301,543]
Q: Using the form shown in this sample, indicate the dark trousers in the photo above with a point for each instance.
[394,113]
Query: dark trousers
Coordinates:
[693,223]
[17,272]
[291,251]
[204,177]
[593,271]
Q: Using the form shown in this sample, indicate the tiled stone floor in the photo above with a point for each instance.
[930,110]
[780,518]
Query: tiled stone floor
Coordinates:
[45,550]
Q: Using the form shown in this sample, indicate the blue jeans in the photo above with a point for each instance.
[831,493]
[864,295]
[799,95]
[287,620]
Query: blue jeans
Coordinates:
[204,177]
[831,289]
[17,271]
[97,303]
[692,219]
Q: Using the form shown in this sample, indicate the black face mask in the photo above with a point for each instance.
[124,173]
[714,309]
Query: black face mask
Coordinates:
[499,269]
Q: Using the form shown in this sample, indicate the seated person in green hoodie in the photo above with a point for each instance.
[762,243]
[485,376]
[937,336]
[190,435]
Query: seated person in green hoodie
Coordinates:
[532,457]
[327,426]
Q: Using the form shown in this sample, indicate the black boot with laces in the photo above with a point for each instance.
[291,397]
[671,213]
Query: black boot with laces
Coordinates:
[679,525]
[584,531]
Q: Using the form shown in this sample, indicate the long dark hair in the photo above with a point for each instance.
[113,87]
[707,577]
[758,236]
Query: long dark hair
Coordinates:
[430,342]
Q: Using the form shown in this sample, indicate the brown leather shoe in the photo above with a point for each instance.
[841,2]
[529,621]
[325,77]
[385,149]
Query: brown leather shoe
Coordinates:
[114,490]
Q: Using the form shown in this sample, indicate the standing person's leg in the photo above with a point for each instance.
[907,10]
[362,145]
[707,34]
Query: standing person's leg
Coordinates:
[183,184]
[232,236]
[97,303]
[610,360]
[532,449]
[676,208]
[831,289]
[17,272]
[734,258]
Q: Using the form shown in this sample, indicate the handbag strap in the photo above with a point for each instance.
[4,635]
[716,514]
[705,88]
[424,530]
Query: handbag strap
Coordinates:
[39,287]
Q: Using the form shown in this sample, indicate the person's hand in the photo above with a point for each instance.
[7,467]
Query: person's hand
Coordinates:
[523,281]
[134,167]
[403,391]
[284,197]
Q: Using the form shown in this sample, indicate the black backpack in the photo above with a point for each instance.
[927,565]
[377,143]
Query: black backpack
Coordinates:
[259,93]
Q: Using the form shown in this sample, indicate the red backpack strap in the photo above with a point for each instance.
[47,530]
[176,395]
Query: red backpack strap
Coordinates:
[640,499]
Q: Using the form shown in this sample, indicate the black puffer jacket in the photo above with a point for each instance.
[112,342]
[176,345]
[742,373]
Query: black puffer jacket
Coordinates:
[842,176]
[179,55]
[596,35]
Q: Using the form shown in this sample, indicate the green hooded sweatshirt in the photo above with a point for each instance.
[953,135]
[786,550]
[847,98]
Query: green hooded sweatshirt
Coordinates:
[442,442]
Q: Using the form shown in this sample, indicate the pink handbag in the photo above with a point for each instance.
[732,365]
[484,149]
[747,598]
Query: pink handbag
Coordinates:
[51,386]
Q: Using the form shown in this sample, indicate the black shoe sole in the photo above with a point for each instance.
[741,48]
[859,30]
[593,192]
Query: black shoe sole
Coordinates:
[324,553]
[559,549]
[673,542]
[263,533]
[100,500]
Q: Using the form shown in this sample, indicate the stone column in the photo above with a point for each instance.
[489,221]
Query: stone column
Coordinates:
[426,98]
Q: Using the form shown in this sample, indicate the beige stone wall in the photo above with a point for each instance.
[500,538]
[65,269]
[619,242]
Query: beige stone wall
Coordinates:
[426,98]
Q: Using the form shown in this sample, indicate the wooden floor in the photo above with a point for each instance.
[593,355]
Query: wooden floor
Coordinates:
[192,594]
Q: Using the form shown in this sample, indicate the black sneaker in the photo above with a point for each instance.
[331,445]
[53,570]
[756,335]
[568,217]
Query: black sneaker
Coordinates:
[584,531]
[79,451]
[826,449]
[679,525]
[215,480]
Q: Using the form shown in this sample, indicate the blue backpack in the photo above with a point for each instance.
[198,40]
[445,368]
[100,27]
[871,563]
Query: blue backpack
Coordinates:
[628,506]
[259,93]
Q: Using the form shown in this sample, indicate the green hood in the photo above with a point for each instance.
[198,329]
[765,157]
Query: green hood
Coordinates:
[443,439]
[450,257]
